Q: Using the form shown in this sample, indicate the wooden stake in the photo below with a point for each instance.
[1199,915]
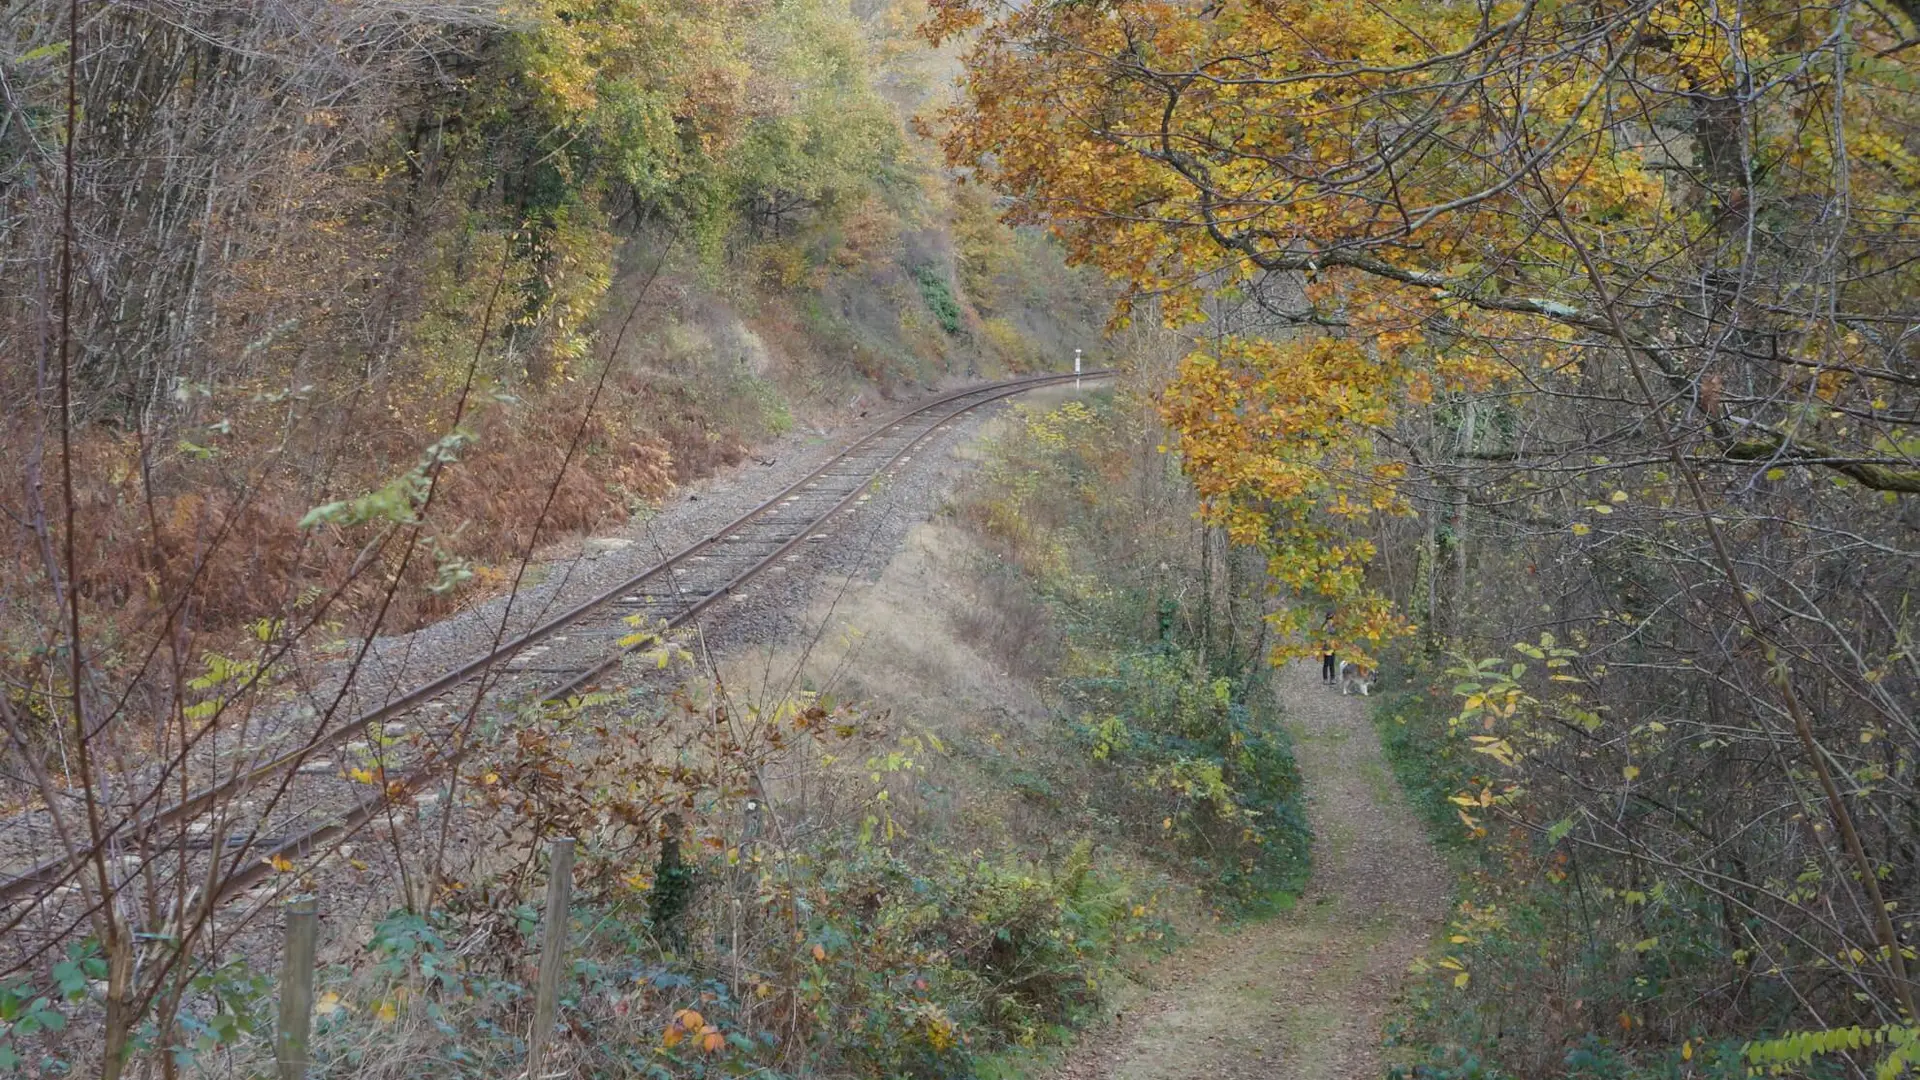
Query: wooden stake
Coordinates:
[290,1044]
[553,951]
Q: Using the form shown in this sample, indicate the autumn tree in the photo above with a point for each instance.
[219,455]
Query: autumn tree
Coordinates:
[311,305]
[1591,319]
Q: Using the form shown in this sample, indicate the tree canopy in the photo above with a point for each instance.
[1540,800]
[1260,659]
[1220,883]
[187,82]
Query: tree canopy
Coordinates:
[1585,319]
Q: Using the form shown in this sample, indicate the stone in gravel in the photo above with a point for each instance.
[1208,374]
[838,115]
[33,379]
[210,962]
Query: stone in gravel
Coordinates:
[601,545]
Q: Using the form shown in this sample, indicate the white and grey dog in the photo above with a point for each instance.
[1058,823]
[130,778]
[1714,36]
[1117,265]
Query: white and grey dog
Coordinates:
[1353,675]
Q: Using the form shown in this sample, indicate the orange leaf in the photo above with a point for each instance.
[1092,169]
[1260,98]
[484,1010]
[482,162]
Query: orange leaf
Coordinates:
[712,1041]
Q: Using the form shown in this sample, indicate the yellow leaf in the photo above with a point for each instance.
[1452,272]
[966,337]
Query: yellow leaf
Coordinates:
[672,1036]
[1630,772]
[712,1041]
[1686,1050]
[385,1012]
[361,776]
[1460,980]
[689,1019]
[280,863]
[328,1004]
[1619,496]
[1581,529]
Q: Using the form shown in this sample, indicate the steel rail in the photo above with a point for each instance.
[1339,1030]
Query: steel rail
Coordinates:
[58,871]
[260,865]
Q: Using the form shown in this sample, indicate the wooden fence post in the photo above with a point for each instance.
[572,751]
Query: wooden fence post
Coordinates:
[553,951]
[290,1046]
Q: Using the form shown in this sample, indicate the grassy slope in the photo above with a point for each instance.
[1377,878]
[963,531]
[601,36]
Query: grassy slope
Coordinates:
[996,640]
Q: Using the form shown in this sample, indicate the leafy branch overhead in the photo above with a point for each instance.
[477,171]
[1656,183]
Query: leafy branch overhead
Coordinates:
[1584,323]
[1470,198]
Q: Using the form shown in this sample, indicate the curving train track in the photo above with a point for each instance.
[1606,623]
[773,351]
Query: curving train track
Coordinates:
[311,804]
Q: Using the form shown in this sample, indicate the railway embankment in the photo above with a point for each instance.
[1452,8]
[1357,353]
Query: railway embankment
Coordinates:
[926,800]
[364,793]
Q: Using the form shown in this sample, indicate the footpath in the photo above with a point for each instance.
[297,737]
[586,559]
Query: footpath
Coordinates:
[1302,995]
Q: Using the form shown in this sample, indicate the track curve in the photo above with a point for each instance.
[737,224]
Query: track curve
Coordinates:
[563,656]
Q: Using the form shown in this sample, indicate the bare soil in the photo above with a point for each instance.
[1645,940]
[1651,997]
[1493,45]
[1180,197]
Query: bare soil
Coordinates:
[1300,996]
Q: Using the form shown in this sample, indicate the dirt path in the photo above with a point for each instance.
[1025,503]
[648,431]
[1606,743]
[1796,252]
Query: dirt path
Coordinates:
[1300,996]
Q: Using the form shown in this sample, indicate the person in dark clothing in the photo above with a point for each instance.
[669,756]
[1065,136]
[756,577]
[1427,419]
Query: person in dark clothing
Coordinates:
[1329,669]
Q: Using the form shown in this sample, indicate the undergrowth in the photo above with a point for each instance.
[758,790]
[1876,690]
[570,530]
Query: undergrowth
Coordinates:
[860,959]
[1199,761]
[708,936]
[1168,738]
[1430,761]
[1543,970]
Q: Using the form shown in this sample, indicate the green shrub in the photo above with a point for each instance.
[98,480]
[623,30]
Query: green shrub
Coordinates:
[955,958]
[847,958]
[1215,768]
[939,297]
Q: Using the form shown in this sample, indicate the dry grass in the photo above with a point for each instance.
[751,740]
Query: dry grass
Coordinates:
[1003,620]
[951,644]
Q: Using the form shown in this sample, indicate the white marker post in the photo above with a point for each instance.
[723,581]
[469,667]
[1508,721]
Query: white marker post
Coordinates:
[1076,369]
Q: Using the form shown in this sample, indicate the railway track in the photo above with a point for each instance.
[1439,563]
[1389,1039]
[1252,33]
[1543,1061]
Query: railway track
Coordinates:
[563,656]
